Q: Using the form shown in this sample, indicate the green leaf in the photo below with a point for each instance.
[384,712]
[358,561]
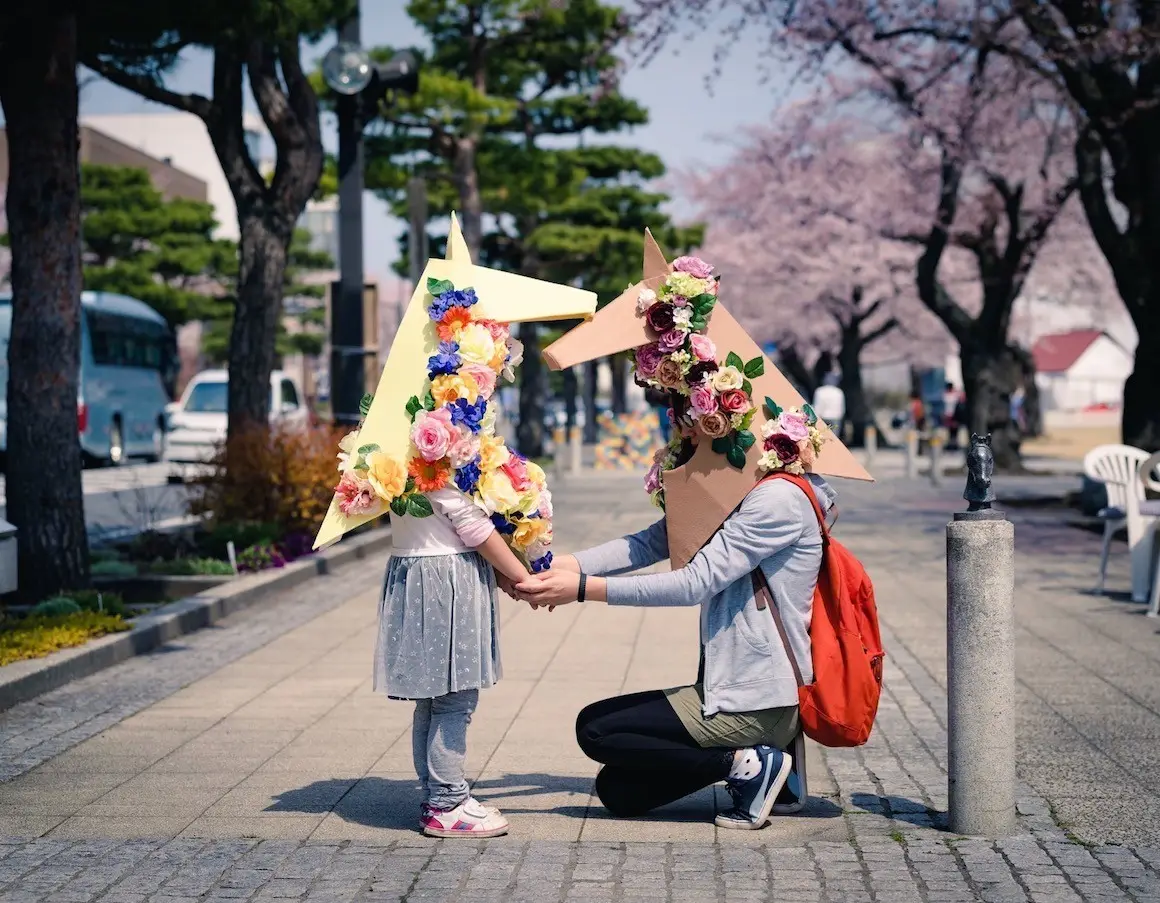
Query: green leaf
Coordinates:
[439,286]
[364,406]
[367,449]
[755,367]
[811,416]
[414,406]
[747,388]
[747,420]
[410,485]
[736,457]
[734,360]
[722,445]
[745,439]
[702,304]
[697,323]
[399,505]
[774,410]
[418,505]
[429,401]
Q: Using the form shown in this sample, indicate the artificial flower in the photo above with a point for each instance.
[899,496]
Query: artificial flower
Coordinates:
[669,375]
[528,531]
[545,510]
[348,446]
[539,565]
[464,445]
[529,501]
[444,361]
[648,358]
[702,399]
[484,378]
[452,323]
[683,358]
[502,525]
[536,473]
[784,447]
[476,345]
[652,480]
[499,331]
[465,413]
[441,304]
[671,340]
[387,475]
[467,475]
[497,492]
[515,357]
[735,401]
[448,389]
[492,452]
[660,317]
[728,378]
[682,319]
[357,497]
[517,471]
[694,266]
[794,425]
[715,425]
[431,435]
[687,285]
[429,476]
[646,299]
[807,454]
[487,423]
[703,347]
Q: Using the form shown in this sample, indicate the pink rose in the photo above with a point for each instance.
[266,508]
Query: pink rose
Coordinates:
[669,374]
[516,469]
[464,446]
[671,340]
[356,496]
[545,509]
[794,425]
[652,480]
[484,377]
[734,401]
[694,266]
[702,399]
[648,357]
[499,331]
[715,425]
[430,436]
[703,347]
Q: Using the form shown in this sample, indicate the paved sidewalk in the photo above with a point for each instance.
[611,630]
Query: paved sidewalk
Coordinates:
[254,762]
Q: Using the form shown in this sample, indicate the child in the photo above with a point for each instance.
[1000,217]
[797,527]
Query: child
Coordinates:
[438,645]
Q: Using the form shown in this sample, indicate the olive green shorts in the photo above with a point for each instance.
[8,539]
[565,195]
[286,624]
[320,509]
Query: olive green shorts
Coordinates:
[732,730]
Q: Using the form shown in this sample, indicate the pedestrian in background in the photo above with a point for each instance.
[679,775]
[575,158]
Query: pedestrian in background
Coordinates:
[830,403]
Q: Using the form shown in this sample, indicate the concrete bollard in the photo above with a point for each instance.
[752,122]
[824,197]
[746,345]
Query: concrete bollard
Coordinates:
[576,449]
[911,453]
[936,446]
[871,444]
[981,695]
[560,447]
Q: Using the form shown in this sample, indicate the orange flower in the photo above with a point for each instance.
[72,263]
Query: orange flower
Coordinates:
[429,476]
[453,321]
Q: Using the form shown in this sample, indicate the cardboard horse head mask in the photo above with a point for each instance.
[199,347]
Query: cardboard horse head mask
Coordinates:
[406,378]
[730,458]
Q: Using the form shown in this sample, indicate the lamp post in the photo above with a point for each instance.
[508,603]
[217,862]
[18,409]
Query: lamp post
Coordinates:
[361,85]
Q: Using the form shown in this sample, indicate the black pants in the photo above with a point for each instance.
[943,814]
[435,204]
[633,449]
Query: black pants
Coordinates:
[649,758]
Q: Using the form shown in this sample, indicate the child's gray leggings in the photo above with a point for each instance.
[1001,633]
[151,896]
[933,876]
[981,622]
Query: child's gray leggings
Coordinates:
[439,745]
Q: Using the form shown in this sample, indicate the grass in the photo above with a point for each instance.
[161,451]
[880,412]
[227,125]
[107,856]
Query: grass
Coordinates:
[36,637]
[192,567]
[1071,443]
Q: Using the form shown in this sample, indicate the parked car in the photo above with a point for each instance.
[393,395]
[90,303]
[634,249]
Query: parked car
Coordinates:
[127,373]
[197,423]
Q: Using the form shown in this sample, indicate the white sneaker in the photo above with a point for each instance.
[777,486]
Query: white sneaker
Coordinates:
[469,819]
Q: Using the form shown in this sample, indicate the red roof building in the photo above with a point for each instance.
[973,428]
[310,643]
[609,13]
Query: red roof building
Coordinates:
[1058,353]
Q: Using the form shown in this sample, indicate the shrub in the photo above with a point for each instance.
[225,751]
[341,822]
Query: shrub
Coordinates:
[56,606]
[111,567]
[152,544]
[243,534]
[296,545]
[97,601]
[36,636]
[192,567]
[271,475]
[260,557]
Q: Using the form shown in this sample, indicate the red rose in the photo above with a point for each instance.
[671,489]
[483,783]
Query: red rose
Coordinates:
[735,401]
[660,317]
[784,447]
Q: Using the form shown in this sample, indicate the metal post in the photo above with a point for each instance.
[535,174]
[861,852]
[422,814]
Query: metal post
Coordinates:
[417,237]
[911,454]
[981,659]
[577,448]
[347,374]
[871,440]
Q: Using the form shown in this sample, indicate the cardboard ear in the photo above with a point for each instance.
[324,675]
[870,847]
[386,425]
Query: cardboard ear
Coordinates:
[655,264]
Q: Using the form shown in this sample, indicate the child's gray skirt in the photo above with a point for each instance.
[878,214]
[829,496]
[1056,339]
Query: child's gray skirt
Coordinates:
[438,626]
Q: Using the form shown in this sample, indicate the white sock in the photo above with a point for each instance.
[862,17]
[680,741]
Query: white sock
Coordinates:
[746,765]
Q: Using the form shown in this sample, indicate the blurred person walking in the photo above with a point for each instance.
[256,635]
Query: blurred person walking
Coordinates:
[830,403]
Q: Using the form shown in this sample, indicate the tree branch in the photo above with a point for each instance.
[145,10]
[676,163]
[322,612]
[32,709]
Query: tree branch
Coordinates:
[150,89]
[875,334]
[930,289]
[265,85]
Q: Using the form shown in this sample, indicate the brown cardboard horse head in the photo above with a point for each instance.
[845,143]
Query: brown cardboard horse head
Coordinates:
[701,493]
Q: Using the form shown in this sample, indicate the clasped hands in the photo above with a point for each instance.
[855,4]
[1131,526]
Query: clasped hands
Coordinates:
[559,586]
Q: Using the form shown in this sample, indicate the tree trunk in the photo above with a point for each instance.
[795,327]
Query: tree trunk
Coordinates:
[858,413]
[571,390]
[990,375]
[533,389]
[619,369]
[471,201]
[263,253]
[591,434]
[1140,419]
[38,90]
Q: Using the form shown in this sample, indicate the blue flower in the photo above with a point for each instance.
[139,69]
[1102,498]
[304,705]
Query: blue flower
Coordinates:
[445,361]
[464,413]
[454,298]
[542,564]
[503,525]
[468,475]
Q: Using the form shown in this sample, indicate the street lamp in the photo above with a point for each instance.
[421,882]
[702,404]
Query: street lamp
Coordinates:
[361,85]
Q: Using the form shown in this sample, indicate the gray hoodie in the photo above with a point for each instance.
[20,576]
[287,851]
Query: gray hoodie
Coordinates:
[774,527]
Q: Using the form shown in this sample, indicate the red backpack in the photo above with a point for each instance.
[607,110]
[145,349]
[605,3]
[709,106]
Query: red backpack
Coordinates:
[838,708]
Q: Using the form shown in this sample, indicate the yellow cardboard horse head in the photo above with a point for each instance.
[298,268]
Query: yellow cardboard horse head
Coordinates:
[700,494]
[504,297]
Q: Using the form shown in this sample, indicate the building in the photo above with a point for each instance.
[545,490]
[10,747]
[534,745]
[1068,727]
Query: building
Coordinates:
[1080,370]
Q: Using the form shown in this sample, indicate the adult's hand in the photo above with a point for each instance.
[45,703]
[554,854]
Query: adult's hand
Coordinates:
[566,563]
[551,588]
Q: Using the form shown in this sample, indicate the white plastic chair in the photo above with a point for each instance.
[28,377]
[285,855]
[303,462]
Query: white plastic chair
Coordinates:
[1118,468]
[1150,479]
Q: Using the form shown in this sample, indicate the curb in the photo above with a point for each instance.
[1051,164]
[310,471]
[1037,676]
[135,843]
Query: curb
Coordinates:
[25,680]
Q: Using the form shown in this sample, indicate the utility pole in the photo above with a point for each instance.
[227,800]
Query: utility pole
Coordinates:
[417,239]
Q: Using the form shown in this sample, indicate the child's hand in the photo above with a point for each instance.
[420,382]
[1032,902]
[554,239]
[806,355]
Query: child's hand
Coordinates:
[506,584]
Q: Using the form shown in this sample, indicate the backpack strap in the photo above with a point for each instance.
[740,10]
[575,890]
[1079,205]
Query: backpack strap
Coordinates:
[764,597]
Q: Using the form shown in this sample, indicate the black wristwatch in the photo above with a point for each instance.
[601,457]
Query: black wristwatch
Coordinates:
[583,585]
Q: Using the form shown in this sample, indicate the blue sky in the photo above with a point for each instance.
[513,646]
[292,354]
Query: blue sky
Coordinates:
[689,125]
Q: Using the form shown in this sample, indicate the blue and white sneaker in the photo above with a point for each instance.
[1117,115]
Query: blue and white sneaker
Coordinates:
[791,800]
[753,798]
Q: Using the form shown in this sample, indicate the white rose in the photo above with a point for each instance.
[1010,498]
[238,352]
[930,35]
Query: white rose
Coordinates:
[727,378]
[475,344]
[646,299]
[515,358]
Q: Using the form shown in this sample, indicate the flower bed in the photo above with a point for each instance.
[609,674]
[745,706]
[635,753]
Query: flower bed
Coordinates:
[59,623]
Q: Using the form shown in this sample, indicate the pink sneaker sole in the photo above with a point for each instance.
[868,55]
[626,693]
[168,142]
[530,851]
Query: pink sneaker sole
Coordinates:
[467,830]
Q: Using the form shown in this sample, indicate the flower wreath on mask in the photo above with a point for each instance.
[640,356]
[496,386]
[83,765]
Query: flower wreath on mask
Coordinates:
[710,396]
[453,438]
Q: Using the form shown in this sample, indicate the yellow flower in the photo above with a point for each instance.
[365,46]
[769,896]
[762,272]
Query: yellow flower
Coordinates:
[530,531]
[497,492]
[536,474]
[446,389]
[493,454]
[476,346]
[529,500]
[487,422]
[387,475]
[498,357]
[728,378]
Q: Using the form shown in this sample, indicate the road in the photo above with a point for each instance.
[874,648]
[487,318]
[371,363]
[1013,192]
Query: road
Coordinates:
[130,498]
